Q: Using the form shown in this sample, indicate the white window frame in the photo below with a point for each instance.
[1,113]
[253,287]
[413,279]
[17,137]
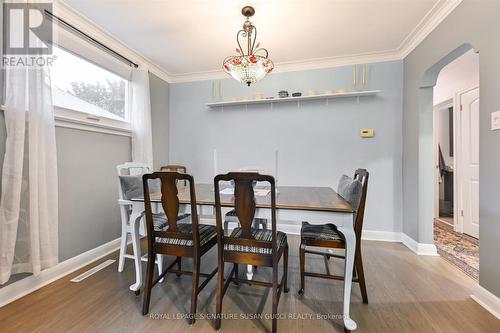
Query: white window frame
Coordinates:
[77,119]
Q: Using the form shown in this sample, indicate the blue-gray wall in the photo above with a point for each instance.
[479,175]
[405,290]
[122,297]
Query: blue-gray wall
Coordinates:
[159,120]
[317,143]
[477,23]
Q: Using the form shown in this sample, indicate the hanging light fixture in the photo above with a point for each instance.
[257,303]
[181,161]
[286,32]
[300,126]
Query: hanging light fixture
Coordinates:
[248,67]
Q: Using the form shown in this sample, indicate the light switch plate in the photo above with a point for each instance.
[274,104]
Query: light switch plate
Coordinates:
[495,120]
[366,133]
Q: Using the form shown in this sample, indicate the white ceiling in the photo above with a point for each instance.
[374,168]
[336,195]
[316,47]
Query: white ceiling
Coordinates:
[188,38]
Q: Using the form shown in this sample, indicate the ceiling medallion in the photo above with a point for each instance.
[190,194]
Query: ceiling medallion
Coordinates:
[248,67]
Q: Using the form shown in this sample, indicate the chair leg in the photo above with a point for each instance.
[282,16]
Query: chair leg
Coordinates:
[220,293]
[285,269]
[358,263]
[194,291]
[275,298]
[123,248]
[302,258]
[149,282]
[179,265]
[236,275]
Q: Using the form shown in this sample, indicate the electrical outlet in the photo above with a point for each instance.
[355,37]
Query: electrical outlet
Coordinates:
[495,120]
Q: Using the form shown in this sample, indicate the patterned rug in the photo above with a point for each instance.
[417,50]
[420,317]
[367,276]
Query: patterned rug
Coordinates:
[461,250]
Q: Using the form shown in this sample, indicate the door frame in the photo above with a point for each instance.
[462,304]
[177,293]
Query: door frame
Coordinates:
[458,179]
[450,102]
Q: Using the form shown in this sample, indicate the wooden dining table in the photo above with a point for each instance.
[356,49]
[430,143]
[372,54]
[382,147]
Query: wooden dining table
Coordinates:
[316,205]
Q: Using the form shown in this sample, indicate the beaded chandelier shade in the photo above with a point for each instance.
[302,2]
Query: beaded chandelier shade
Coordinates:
[253,65]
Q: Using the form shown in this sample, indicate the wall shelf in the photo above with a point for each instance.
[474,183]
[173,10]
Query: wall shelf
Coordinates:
[296,99]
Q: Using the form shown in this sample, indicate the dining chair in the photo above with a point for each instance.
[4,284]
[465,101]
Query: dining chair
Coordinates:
[183,238]
[129,185]
[247,245]
[353,190]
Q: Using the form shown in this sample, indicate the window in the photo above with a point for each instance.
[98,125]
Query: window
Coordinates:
[80,85]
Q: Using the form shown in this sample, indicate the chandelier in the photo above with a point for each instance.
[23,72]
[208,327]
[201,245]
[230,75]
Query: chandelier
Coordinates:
[248,67]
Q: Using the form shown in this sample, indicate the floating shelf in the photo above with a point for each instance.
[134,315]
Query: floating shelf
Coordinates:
[296,99]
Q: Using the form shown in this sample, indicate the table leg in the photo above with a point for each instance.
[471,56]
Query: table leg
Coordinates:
[350,240]
[135,221]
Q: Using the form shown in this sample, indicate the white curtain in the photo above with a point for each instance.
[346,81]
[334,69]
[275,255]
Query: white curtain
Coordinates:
[28,202]
[142,138]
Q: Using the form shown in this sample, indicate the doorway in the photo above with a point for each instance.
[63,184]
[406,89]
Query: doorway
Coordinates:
[456,161]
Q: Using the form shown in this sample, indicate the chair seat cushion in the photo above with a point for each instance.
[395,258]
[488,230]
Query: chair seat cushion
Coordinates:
[320,232]
[207,233]
[258,234]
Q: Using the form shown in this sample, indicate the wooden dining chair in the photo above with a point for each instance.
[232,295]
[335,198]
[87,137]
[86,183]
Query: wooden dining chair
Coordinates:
[327,236]
[177,238]
[246,245]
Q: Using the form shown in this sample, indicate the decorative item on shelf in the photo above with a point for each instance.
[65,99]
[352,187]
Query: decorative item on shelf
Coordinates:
[270,97]
[357,84]
[312,92]
[296,94]
[220,91]
[258,96]
[342,91]
[243,98]
[329,92]
[232,99]
[283,94]
[214,91]
[248,67]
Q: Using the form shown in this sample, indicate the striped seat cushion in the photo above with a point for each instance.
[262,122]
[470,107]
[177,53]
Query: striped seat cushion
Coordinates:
[258,234]
[207,233]
[320,232]
[160,221]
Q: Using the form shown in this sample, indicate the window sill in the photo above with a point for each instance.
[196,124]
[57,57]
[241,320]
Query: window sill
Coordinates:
[91,127]
[84,123]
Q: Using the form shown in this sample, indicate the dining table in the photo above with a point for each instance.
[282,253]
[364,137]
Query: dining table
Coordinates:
[316,205]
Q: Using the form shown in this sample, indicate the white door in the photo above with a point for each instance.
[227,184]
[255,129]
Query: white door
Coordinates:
[469,115]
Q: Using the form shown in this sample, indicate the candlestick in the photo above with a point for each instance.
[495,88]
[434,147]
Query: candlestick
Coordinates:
[354,77]
[364,75]
[215,162]
[276,165]
[214,93]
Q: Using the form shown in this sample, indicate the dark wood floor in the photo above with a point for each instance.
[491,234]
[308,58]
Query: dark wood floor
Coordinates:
[407,293]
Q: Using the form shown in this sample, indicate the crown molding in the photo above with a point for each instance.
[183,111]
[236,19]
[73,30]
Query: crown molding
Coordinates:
[66,12]
[299,65]
[429,22]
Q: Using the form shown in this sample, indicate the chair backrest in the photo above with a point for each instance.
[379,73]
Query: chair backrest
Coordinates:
[130,169]
[176,168]
[244,206]
[170,203]
[361,175]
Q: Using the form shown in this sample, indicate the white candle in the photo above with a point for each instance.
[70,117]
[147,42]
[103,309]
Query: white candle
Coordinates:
[276,165]
[215,162]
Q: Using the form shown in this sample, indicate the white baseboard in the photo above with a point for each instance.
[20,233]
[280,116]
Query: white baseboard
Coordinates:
[31,283]
[421,249]
[487,300]
[384,236]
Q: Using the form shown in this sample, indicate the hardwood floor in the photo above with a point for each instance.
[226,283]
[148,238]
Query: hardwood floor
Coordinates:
[407,293]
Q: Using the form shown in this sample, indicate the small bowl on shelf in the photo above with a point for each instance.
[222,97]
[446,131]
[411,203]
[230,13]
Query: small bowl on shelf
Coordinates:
[296,94]
[283,94]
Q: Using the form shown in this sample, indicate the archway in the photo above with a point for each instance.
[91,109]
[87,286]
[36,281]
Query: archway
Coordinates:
[425,145]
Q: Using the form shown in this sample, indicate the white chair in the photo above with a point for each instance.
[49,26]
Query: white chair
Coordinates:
[131,169]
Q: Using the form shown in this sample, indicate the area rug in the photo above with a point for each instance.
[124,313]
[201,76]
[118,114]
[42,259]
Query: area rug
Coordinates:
[461,250]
